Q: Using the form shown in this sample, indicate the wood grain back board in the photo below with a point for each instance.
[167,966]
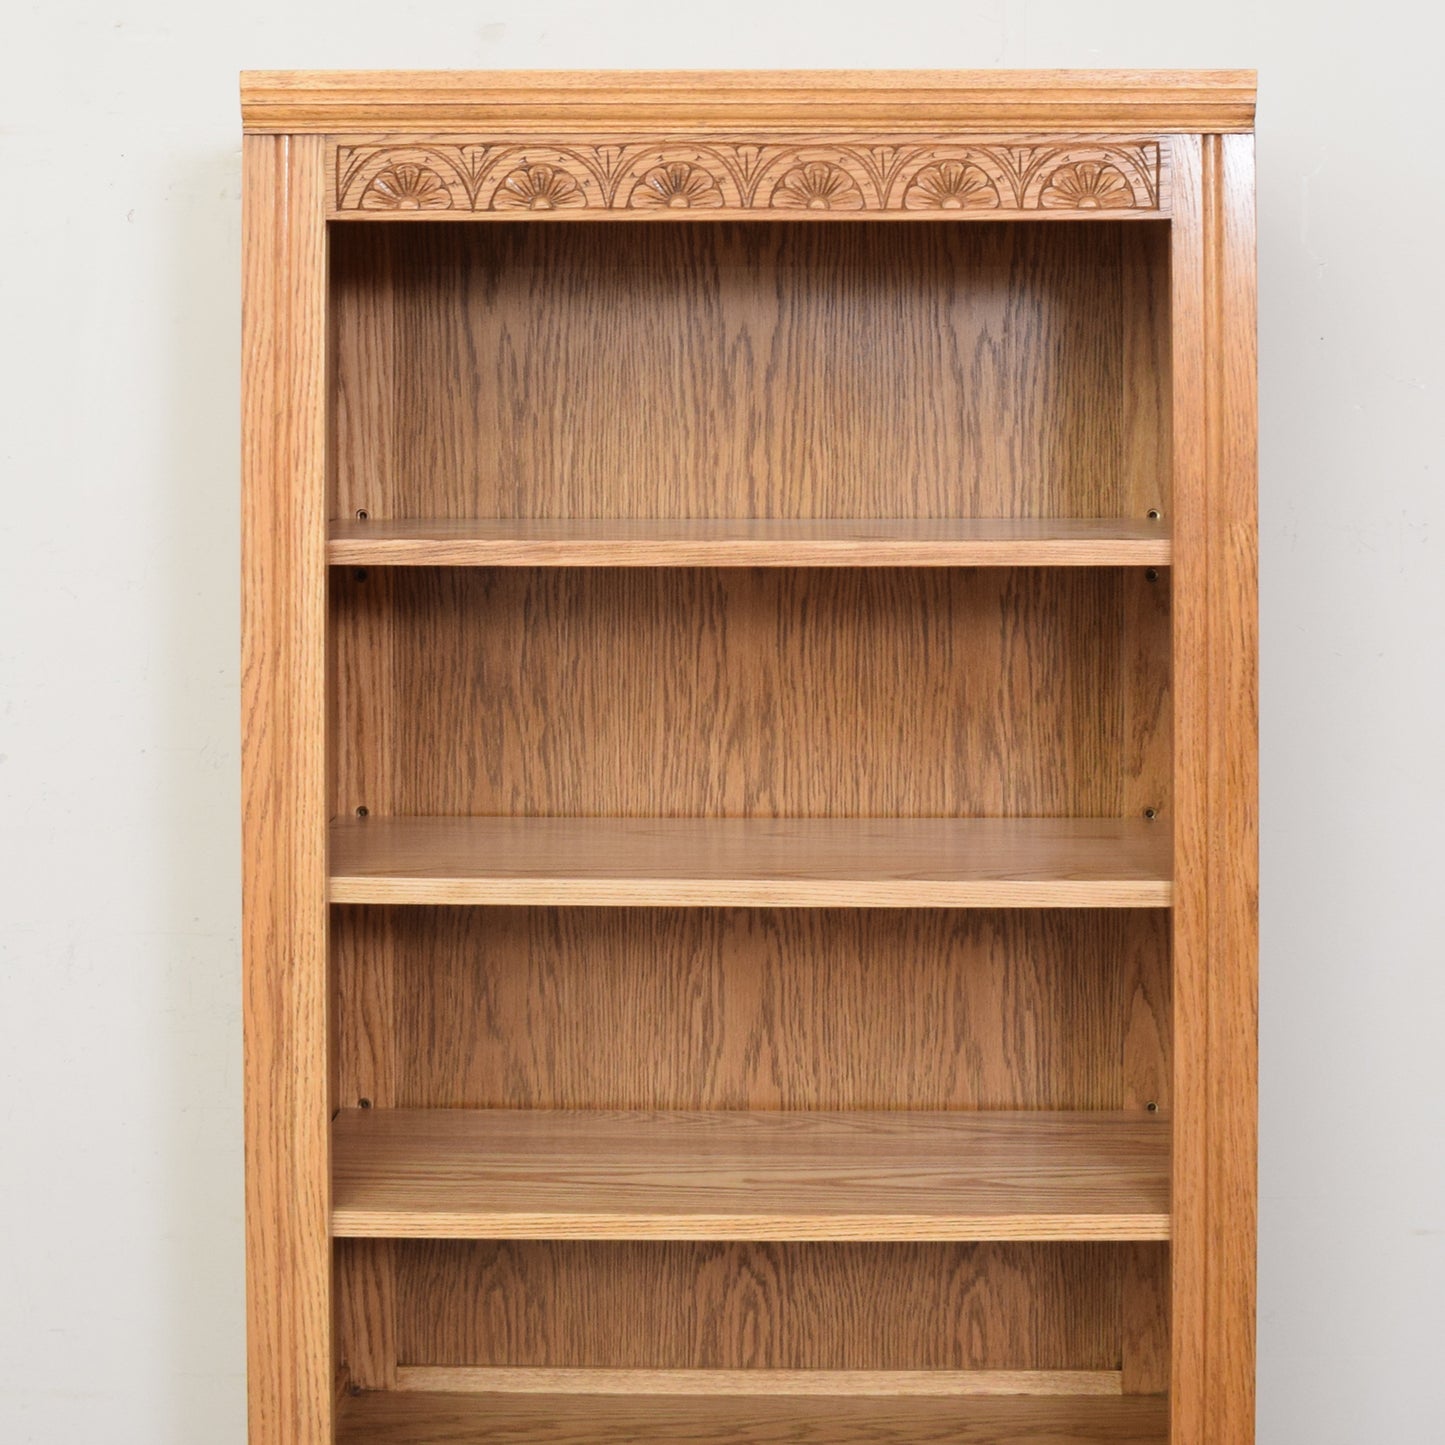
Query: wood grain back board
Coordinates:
[751,1009]
[750,370]
[988,692]
[731,1305]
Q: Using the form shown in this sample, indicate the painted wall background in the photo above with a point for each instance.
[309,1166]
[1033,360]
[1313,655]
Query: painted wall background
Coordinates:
[120,1154]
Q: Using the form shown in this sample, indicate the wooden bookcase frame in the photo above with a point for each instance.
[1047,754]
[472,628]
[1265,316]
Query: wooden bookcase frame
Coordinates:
[329,149]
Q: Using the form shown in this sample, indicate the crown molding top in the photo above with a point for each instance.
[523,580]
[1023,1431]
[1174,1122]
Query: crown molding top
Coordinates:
[1037,101]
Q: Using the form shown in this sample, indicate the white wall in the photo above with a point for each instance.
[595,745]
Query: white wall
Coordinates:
[120,1153]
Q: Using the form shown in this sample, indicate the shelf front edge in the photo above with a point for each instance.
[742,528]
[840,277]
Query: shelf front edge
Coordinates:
[361,1223]
[747,543]
[704,893]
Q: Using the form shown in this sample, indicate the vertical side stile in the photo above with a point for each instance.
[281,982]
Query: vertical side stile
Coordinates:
[1216,879]
[1233,870]
[1190,955]
[283,673]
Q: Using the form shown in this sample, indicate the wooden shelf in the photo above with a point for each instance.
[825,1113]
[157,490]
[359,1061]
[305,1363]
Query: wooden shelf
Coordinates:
[599,1174]
[400,1418]
[756,862]
[813,1384]
[1044,542]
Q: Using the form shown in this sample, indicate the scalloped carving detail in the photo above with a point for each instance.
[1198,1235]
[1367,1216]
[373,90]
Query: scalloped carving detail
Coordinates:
[1087,186]
[406,187]
[662,175]
[951,186]
[678,186]
[538,188]
[817,186]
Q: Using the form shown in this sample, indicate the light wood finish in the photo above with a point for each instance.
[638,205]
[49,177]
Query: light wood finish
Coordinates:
[760,862]
[1190,1392]
[1144,1320]
[681,175]
[785,693]
[366,1062]
[876,100]
[367,1315]
[736,1305]
[1215,926]
[1233,724]
[883,1384]
[599,1174]
[290,1366]
[750,370]
[654,1008]
[842,599]
[408,1419]
[500,542]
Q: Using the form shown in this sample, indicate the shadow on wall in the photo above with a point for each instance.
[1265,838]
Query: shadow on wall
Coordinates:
[198,710]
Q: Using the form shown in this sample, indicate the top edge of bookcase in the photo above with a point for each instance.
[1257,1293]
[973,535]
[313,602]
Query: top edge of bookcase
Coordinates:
[896,101]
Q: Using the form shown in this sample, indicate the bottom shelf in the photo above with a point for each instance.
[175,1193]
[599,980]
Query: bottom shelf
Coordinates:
[404,1418]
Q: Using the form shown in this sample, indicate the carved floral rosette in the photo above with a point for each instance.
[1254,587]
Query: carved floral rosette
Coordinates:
[644,176]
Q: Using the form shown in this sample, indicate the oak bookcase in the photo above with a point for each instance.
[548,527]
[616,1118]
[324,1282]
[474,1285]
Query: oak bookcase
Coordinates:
[749,792]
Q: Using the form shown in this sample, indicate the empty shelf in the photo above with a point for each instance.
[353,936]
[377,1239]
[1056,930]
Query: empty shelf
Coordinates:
[537,542]
[554,1380]
[755,862]
[600,1174]
[399,1418]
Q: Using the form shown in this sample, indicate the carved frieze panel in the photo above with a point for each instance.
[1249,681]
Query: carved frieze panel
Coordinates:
[642,176]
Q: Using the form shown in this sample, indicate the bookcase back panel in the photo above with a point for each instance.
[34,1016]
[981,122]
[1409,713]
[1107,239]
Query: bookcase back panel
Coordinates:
[750,370]
[687,1305]
[751,692]
[751,1009]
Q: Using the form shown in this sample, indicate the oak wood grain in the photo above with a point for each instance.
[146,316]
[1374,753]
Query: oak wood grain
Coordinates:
[1232,780]
[364,1285]
[680,177]
[290,1365]
[1190,1386]
[743,1305]
[599,1174]
[705,1009]
[1144,1320]
[988,692]
[653,1008]
[1215,923]
[741,542]
[369,1057]
[384,1418]
[530,1380]
[874,371]
[756,862]
[586,100]
[677,525]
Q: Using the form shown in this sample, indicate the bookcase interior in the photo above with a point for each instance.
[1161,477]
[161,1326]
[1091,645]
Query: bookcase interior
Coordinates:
[865,371]
[724,1306]
[661,1008]
[859,369]
[751,692]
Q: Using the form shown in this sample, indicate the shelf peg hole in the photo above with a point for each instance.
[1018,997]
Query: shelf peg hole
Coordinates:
[362,811]
[1154,514]
[1151,813]
[363,515]
[359,575]
[366,1104]
[1152,1107]
[1151,574]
